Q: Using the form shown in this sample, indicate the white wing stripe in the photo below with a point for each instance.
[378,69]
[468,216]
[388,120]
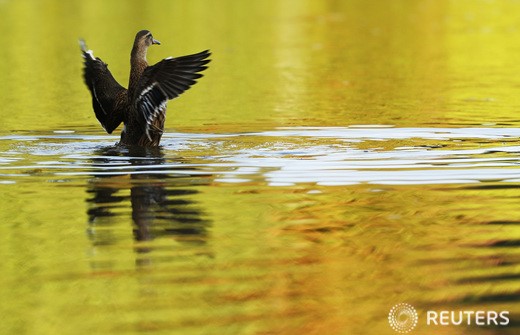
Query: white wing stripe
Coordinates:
[96,97]
[146,90]
[152,102]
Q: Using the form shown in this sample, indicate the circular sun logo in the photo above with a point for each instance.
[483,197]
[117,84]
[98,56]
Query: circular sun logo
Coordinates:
[403,318]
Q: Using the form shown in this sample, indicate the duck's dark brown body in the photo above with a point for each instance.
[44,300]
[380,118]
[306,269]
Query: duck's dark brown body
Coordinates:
[141,107]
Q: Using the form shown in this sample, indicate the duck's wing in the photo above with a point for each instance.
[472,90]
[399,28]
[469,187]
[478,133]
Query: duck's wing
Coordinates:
[108,97]
[163,81]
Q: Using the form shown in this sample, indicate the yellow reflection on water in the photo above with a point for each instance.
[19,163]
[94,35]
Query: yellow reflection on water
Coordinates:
[275,62]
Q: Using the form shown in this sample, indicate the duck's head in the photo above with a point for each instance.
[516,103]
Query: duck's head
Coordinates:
[144,39]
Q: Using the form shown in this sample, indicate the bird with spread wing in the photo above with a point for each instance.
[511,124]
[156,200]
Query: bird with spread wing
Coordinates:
[141,107]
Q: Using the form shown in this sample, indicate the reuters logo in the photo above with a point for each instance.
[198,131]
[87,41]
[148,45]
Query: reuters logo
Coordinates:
[403,318]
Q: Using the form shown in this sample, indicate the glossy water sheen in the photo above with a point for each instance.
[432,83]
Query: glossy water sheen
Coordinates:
[338,158]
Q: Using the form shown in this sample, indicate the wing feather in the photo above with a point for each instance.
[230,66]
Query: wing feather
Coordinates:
[108,97]
[164,81]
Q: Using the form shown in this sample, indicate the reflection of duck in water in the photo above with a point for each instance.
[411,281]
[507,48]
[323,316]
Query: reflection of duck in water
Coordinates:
[142,108]
[160,202]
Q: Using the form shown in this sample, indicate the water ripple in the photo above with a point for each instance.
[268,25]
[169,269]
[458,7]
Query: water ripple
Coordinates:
[287,156]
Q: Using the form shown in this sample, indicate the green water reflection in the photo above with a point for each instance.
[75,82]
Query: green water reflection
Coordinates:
[297,62]
[171,249]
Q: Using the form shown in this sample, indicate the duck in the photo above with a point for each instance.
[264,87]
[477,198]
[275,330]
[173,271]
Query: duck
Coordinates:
[142,106]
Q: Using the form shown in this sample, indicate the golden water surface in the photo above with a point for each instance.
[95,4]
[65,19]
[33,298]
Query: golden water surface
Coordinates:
[338,157]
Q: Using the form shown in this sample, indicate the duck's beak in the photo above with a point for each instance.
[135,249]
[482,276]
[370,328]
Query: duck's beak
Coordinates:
[154,41]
